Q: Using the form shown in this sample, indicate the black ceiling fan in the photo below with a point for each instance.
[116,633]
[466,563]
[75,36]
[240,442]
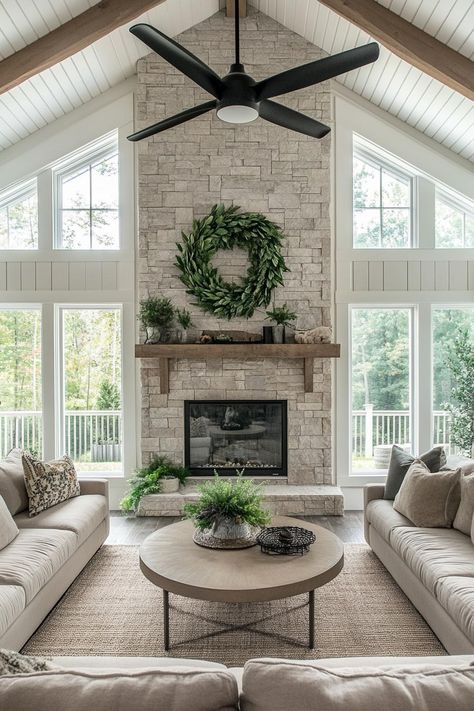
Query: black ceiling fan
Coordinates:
[238,97]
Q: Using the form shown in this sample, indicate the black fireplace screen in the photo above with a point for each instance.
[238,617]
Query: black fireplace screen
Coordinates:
[226,435]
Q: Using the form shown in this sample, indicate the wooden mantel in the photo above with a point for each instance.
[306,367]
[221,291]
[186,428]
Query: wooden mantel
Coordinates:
[243,351]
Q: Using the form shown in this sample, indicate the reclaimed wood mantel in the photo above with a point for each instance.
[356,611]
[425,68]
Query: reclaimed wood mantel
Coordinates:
[200,351]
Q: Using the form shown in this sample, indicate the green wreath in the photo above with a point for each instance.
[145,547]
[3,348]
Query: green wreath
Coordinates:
[226,228]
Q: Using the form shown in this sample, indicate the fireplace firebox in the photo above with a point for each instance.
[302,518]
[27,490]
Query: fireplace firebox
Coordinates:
[230,435]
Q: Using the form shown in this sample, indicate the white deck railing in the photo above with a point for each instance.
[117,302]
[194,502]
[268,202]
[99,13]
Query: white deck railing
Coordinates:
[93,435]
[371,428]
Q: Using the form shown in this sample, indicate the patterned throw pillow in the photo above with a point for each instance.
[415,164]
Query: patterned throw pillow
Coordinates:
[16,663]
[199,427]
[49,483]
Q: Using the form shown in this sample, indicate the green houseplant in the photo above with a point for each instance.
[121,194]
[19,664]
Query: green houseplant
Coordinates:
[228,509]
[184,319]
[282,317]
[157,316]
[153,479]
[460,361]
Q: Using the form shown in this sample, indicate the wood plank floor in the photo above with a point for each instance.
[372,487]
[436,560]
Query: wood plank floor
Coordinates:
[126,530]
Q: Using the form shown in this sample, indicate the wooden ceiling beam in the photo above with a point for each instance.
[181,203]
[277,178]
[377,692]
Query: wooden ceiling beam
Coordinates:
[230,8]
[67,39]
[409,43]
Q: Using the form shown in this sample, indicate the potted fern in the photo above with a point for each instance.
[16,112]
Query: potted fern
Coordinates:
[161,476]
[228,513]
[157,316]
[282,317]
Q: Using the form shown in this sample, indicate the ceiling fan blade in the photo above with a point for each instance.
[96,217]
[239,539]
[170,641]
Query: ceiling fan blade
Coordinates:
[179,57]
[317,71]
[172,121]
[294,120]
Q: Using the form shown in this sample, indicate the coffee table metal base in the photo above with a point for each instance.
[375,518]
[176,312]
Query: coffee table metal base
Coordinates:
[166,620]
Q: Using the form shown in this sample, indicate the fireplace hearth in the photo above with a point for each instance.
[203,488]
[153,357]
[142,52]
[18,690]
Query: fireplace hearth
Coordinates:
[231,435]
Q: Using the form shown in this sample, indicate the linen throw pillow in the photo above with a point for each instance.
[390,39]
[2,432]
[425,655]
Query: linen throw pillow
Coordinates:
[465,512]
[8,527]
[429,499]
[401,461]
[49,483]
[12,482]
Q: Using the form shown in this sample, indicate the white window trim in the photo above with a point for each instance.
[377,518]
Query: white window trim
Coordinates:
[59,389]
[15,194]
[379,160]
[455,202]
[95,153]
[433,165]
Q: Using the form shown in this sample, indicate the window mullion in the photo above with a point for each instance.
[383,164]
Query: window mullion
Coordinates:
[45,211]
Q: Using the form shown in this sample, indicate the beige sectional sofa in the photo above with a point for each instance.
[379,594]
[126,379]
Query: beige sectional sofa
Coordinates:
[51,549]
[433,566]
[154,684]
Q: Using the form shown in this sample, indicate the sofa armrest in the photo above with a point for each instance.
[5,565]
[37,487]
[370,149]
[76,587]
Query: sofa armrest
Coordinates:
[95,486]
[371,493]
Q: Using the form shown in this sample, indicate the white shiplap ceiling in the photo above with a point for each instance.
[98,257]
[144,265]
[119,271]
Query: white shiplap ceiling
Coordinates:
[390,83]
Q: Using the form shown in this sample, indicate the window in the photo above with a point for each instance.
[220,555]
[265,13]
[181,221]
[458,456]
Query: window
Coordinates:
[20,380]
[448,326]
[382,199]
[454,221]
[92,387]
[86,189]
[19,217]
[381,384]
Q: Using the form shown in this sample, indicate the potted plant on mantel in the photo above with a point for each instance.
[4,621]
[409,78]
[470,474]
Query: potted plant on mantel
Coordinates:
[228,514]
[157,316]
[161,476]
[282,317]
[183,317]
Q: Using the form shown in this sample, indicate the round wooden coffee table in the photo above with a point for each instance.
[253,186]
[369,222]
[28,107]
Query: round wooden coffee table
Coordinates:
[170,559]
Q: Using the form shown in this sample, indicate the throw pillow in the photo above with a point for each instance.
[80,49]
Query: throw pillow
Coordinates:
[401,461]
[49,483]
[8,527]
[429,499]
[12,482]
[16,663]
[465,512]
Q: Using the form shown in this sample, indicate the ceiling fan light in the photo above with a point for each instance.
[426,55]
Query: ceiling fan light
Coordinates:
[237,113]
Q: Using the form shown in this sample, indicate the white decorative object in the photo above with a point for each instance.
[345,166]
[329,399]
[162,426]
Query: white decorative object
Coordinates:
[169,485]
[320,334]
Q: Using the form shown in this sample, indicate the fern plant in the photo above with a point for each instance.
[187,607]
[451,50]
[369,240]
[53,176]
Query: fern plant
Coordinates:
[148,481]
[239,500]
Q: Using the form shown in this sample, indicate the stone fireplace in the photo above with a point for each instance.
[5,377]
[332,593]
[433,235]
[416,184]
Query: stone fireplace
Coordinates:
[261,167]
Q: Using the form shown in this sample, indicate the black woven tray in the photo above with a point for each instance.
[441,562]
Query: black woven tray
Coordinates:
[285,540]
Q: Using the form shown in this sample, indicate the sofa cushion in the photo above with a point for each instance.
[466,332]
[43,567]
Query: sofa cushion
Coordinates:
[456,595]
[168,689]
[383,517]
[429,499]
[12,604]
[457,461]
[434,553]
[82,515]
[34,557]
[8,527]
[279,685]
[401,461]
[49,483]
[465,512]
[12,482]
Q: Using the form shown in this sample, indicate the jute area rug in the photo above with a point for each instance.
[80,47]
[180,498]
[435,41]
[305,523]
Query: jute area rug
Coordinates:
[111,609]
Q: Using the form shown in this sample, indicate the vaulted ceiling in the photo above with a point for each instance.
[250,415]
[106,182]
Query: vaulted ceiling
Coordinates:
[391,83]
